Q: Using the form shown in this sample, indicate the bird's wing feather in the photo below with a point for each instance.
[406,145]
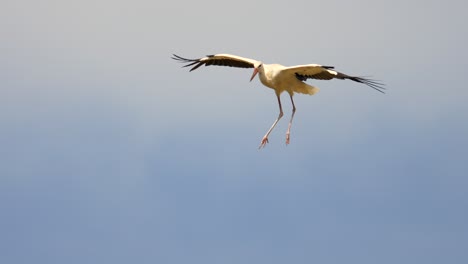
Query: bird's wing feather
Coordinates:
[307,71]
[319,72]
[218,60]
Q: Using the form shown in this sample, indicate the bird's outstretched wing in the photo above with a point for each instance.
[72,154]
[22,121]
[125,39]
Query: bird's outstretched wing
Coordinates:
[319,72]
[218,60]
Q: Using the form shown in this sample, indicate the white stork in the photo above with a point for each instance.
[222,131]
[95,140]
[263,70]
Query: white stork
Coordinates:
[280,78]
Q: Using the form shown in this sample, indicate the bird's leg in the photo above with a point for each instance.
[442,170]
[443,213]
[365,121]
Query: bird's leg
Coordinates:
[265,138]
[290,121]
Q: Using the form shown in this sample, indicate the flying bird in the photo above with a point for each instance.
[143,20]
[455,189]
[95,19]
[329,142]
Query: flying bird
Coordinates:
[280,78]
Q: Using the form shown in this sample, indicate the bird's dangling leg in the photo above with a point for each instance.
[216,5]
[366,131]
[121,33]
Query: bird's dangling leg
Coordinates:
[290,121]
[265,138]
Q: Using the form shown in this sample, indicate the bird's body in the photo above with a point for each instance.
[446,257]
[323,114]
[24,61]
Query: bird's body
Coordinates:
[280,78]
[275,77]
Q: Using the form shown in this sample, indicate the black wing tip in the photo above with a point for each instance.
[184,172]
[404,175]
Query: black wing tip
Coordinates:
[213,60]
[182,59]
[190,62]
[374,84]
[179,58]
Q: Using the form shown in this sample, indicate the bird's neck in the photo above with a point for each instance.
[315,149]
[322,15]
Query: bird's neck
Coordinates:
[265,75]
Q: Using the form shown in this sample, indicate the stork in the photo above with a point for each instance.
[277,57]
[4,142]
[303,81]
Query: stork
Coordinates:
[280,78]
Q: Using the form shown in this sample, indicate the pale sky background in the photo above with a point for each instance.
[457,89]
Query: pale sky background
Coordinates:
[112,153]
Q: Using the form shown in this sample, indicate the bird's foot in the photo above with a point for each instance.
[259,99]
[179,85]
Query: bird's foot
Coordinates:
[287,138]
[264,142]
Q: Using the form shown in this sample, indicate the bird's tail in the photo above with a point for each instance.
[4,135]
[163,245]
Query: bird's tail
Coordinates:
[306,89]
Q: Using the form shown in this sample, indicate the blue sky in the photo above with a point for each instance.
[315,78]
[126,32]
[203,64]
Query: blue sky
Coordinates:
[111,153]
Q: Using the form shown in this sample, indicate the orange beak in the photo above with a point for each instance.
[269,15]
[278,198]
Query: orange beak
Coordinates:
[254,73]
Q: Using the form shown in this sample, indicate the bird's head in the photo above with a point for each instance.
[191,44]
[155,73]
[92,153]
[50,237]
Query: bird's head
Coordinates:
[257,67]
